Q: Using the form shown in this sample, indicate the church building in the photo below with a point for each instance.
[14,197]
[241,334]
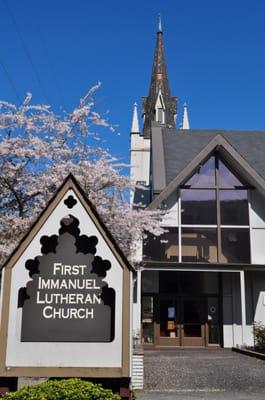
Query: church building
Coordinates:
[202,283]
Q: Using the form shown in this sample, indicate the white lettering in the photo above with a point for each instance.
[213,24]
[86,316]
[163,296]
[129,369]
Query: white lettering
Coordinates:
[56,267]
[45,314]
[50,312]
[67,269]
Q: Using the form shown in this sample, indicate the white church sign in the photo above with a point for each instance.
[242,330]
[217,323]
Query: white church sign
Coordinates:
[66,296]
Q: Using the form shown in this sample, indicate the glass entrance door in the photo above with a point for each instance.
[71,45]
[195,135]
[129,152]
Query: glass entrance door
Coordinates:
[213,326]
[186,321]
[193,322]
[168,327]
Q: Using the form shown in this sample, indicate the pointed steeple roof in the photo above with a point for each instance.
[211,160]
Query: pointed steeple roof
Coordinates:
[159,86]
[135,122]
[185,121]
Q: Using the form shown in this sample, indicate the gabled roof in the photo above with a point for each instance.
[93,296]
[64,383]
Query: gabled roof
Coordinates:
[69,183]
[181,152]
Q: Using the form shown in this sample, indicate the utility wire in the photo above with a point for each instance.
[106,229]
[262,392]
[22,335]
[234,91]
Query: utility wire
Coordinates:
[10,80]
[26,50]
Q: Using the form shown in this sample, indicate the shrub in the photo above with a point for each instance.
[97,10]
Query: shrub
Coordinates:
[259,336]
[66,389]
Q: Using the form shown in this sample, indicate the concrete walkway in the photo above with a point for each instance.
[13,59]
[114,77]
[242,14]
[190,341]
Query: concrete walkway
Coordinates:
[202,374]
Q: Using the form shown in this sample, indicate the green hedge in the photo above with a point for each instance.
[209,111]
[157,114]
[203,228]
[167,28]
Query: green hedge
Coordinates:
[259,336]
[66,389]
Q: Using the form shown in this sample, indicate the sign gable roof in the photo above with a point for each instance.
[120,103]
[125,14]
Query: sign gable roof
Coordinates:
[69,183]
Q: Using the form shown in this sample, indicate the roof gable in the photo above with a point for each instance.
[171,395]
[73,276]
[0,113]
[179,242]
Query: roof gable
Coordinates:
[228,152]
[180,147]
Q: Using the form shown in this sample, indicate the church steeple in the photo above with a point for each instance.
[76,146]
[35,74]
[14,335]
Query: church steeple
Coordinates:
[159,105]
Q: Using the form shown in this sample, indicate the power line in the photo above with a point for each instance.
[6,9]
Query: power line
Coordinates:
[10,80]
[26,50]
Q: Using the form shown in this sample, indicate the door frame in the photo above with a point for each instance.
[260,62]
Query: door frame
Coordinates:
[181,340]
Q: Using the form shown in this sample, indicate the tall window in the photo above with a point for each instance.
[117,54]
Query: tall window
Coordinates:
[214,216]
[212,222]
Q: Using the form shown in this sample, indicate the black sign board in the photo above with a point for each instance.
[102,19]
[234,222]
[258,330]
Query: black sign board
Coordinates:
[67,299]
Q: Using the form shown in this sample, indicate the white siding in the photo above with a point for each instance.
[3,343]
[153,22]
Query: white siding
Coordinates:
[258,245]
[259,296]
[140,159]
[232,322]
[257,209]
[171,206]
[257,227]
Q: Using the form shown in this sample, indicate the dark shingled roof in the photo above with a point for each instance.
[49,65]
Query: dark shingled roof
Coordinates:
[181,146]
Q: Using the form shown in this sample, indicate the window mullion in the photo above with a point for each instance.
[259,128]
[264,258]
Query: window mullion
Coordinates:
[218,208]
[179,228]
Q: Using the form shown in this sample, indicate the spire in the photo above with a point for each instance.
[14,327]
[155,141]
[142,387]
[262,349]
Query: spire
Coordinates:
[159,91]
[159,27]
[185,122]
[135,122]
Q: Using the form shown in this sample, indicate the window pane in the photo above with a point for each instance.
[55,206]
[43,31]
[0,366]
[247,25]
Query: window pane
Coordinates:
[198,206]
[235,245]
[192,317]
[189,285]
[147,319]
[199,245]
[162,248]
[234,207]
[168,282]
[205,174]
[227,178]
[168,318]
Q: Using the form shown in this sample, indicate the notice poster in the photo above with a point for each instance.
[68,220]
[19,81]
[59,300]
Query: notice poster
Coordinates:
[171,312]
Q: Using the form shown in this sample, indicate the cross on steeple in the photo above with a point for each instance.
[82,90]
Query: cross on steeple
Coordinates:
[159,105]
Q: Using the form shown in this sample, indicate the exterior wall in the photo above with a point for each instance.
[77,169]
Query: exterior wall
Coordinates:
[233,334]
[257,226]
[255,307]
[258,287]
[232,322]
[140,158]
[171,206]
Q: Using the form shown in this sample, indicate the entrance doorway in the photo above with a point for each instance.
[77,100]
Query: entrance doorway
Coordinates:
[185,312]
[188,321]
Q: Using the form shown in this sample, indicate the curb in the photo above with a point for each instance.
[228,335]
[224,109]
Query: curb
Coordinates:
[249,353]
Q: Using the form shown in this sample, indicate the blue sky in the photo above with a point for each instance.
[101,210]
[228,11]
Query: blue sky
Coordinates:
[57,49]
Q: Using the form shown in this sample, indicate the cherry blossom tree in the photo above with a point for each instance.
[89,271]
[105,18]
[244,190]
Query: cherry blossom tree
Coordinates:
[39,148]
